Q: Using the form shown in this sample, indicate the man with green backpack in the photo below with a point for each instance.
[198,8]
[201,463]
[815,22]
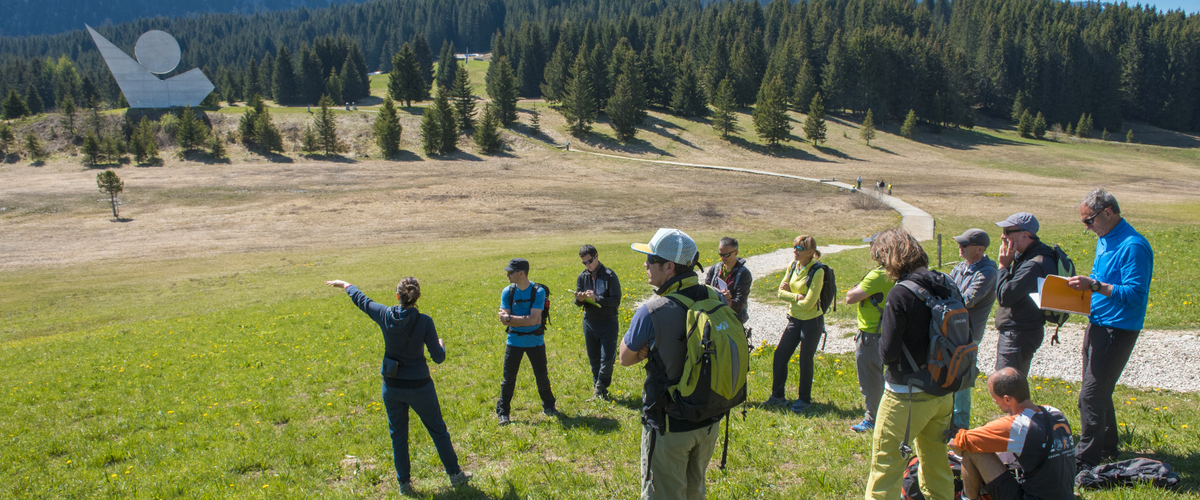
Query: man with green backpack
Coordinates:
[696,370]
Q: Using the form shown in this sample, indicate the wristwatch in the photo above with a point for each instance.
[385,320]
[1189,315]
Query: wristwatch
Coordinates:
[1095,286]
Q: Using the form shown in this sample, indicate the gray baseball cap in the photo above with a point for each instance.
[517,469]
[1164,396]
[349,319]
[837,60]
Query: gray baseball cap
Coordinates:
[671,244]
[974,236]
[1024,220]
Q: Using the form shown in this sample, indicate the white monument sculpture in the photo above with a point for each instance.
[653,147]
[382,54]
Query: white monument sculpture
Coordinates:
[157,53]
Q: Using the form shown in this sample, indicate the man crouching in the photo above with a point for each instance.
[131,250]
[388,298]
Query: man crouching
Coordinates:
[1039,436]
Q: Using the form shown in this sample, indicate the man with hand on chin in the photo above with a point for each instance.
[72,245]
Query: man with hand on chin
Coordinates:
[1023,259]
[1120,285]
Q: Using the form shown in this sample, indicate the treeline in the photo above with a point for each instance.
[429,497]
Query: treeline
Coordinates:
[947,61]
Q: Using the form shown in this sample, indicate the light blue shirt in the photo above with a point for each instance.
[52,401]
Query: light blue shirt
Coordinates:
[1125,260]
[522,306]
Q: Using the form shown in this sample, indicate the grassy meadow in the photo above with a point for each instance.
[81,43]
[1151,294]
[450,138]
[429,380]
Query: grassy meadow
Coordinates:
[244,376]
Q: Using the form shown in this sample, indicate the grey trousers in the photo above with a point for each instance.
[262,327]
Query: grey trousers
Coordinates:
[870,371]
[677,463]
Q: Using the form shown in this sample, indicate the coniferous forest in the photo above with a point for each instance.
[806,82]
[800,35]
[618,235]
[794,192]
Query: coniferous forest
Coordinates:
[948,61]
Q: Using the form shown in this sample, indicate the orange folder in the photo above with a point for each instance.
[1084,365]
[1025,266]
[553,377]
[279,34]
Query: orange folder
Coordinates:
[1055,295]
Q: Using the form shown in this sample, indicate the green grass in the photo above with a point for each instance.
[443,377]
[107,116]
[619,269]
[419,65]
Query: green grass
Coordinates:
[244,376]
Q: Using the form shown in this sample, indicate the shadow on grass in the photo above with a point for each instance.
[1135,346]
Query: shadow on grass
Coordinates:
[884,150]
[335,158]
[635,146]
[469,491]
[664,129]
[960,139]
[122,219]
[630,402]
[781,151]
[835,153]
[403,155]
[598,425]
[277,158]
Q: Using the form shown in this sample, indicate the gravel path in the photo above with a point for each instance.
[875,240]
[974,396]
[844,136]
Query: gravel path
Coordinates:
[1162,359]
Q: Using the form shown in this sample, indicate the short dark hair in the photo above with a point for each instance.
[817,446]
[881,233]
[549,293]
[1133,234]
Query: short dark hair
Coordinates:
[587,250]
[683,268]
[728,242]
[1010,383]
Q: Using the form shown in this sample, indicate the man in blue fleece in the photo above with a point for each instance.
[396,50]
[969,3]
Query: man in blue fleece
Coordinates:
[1120,285]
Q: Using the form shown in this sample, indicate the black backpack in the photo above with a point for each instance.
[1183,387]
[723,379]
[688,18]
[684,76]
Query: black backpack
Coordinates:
[1065,267]
[533,288]
[910,487]
[828,286]
[1128,473]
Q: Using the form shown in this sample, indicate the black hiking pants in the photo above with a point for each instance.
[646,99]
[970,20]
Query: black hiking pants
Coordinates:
[1105,352]
[512,364]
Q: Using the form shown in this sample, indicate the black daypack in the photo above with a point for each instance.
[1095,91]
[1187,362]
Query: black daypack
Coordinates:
[828,284]
[533,288]
[910,488]
[1128,473]
[1065,267]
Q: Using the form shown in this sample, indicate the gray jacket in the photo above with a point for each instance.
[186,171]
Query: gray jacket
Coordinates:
[977,283]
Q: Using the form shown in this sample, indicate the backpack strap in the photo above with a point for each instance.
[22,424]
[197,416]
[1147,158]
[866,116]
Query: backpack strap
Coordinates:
[905,450]
[876,300]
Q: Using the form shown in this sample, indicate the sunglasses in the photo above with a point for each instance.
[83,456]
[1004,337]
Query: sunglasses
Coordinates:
[726,254]
[589,261]
[1011,231]
[654,259]
[799,248]
[1089,220]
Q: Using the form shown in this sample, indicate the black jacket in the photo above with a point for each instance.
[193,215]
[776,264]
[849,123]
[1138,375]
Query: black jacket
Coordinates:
[609,298]
[905,322]
[739,285]
[1017,311]
[407,334]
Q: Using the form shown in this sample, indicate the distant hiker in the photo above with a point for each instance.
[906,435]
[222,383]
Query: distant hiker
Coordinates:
[858,183]
[1020,322]
[871,296]
[731,277]
[568,146]
[1039,436]
[1120,285]
[976,277]
[521,311]
[407,334]
[598,292]
[801,287]
[889,189]
[675,451]
[904,409]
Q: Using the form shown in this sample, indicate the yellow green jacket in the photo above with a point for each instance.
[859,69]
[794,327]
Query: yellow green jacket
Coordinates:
[797,279]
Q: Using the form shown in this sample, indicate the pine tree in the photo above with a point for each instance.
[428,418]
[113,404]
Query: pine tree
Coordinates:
[1129,137]
[447,66]
[143,142]
[33,101]
[109,183]
[622,113]
[446,121]
[579,101]
[1025,124]
[1039,126]
[814,122]
[1070,130]
[190,133]
[216,145]
[13,107]
[717,69]
[67,105]
[248,121]
[557,73]
[805,87]
[535,122]
[504,86]
[1020,103]
[431,131]
[387,129]
[687,98]
[1084,129]
[770,113]
[91,149]
[464,102]
[404,82]
[1104,134]
[33,147]
[487,134]
[909,128]
[7,137]
[311,76]
[356,85]
[326,128]
[266,135]
[333,88]
[423,55]
[724,119]
[867,131]
[283,80]
[309,142]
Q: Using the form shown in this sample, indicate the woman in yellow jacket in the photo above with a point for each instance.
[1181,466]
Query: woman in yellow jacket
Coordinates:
[806,323]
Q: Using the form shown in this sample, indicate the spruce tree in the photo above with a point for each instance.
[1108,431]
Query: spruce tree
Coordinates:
[867,131]
[311,76]
[535,122]
[333,89]
[447,66]
[266,135]
[33,147]
[724,119]
[423,54]
[687,98]
[1104,134]
[33,100]
[216,145]
[717,69]
[1070,130]
[283,80]
[909,128]
[431,131]
[190,132]
[1025,124]
[579,101]
[814,122]
[387,129]
[487,134]
[7,137]
[557,73]
[770,113]
[13,107]
[1039,126]
[109,183]
[1084,129]
[446,121]
[805,87]
[309,142]
[464,102]
[621,110]
[1129,137]
[404,81]
[91,149]
[1020,103]
[66,105]
[326,128]
[503,82]
[147,141]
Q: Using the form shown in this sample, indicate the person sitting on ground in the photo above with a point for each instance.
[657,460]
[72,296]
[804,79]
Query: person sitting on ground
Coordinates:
[806,323]
[407,334]
[1039,436]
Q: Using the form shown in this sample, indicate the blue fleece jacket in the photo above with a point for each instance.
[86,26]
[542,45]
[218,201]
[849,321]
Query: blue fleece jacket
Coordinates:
[1125,260]
[404,330]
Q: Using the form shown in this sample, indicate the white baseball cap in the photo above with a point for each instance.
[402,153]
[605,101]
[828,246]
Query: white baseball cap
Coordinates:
[671,244]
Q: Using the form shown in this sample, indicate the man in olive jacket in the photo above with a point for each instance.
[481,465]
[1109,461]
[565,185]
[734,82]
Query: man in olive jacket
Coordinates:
[1021,323]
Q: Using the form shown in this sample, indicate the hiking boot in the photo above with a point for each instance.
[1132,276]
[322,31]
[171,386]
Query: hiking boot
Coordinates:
[503,419]
[551,412]
[406,489]
[864,426]
[1081,466]
[774,402]
[799,406]
[460,479]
